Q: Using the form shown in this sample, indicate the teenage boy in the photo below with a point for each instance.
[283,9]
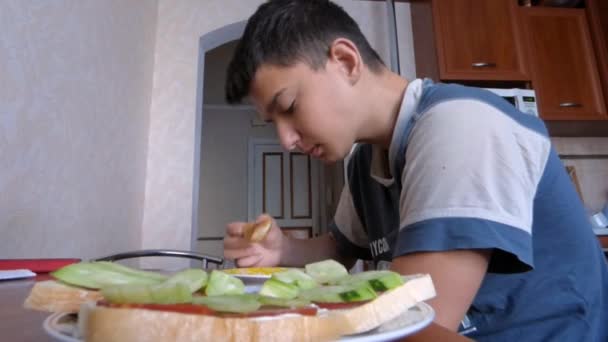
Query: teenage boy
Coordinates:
[447,180]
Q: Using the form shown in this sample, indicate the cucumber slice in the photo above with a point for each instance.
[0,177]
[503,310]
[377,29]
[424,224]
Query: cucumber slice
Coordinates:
[194,278]
[221,283]
[326,271]
[241,303]
[278,289]
[340,293]
[96,275]
[147,294]
[297,277]
[379,280]
[128,270]
[288,303]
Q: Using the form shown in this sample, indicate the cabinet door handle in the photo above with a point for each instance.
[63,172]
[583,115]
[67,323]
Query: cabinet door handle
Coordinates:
[570,105]
[483,65]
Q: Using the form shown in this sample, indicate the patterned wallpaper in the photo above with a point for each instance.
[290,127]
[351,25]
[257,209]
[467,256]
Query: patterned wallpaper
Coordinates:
[75,87]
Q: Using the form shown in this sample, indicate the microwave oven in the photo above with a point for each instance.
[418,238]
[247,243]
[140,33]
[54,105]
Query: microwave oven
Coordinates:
[522,99]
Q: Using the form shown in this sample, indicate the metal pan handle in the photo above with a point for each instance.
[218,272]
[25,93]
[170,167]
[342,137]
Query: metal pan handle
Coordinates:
[206,259]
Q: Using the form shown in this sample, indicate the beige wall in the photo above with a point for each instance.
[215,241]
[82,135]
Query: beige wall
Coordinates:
[75,87]
[591,172]
[170,179]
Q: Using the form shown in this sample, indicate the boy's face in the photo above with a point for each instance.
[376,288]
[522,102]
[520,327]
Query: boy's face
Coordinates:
[313,110]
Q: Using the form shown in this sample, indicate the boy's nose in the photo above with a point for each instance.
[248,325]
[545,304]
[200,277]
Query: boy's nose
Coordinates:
[288,136]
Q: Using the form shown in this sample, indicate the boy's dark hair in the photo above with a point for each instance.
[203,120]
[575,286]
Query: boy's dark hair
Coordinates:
[283,32]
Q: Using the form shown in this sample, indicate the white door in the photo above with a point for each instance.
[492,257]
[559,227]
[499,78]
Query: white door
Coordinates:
[285,185]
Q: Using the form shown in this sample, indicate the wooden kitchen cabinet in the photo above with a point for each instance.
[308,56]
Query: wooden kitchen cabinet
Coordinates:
[561,53]
[562,62]
[597,15]
[475,40]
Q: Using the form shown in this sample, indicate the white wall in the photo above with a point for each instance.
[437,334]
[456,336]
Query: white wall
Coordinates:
[169,184]
[75,87]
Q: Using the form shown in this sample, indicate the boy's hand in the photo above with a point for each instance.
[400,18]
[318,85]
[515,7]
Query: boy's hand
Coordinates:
[239,247]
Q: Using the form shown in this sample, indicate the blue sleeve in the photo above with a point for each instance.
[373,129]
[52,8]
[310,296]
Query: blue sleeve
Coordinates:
[512,247]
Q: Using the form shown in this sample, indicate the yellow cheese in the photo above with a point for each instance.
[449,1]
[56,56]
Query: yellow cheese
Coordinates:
[254,270]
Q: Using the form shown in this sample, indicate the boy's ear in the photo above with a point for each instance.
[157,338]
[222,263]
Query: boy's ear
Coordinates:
[343,53]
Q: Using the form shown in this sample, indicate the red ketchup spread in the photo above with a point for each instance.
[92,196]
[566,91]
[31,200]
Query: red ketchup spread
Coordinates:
[203,310]
[341,306]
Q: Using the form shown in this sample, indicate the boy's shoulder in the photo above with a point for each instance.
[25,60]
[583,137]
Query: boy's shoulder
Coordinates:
[434,93]
[467,101]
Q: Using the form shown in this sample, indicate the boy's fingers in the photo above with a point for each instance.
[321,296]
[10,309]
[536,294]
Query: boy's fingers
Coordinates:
[237,253]
[263,217]
[236,242]
[235,248]
[248,261]
[235,229]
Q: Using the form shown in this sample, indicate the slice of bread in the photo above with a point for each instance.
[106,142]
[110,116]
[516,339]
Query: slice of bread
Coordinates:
[118,324]
[125,324]
[53,296]
[389,305]
[256,231]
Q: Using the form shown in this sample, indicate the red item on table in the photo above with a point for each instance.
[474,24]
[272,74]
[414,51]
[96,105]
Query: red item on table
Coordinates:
[36,265]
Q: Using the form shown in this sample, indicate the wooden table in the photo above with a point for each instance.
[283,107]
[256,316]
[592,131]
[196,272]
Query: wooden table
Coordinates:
[18,324]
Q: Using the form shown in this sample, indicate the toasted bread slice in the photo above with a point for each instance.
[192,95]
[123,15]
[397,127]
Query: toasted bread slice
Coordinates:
[100,323]
[256,231]
[53,296]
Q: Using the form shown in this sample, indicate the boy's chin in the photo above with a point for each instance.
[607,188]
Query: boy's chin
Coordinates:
[329,158]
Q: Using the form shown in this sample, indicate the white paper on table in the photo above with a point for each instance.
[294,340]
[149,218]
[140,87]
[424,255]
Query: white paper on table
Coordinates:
[16,274]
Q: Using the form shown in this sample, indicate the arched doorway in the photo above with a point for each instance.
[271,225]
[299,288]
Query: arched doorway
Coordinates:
[207,43]
[223,165]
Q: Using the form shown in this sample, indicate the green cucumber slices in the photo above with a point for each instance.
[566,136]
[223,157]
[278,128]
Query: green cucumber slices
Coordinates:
[326,271]
[379,280]
[221,283]
[236,303]
[147,294]
[95,275]
[321,282]
[340,294]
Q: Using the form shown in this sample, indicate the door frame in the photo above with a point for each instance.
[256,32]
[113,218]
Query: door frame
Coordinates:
[207,42]
[320,188]
[253,142]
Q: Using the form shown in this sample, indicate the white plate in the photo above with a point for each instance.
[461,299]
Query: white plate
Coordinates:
[61,327]
[411,321]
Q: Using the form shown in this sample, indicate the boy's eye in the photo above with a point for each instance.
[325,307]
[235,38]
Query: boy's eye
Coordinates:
[291,108]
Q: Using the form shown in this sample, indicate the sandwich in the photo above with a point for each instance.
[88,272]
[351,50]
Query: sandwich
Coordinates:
[318,303]
[257,231]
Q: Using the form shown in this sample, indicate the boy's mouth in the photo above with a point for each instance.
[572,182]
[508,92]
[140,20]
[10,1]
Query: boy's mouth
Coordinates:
[316,151]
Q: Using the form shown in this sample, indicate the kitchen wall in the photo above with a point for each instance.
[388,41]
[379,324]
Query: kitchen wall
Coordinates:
[591,167]
[170,178]
[75,89]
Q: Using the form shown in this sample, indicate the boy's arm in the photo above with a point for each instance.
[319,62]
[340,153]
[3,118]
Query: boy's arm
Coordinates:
[457,276]
[298,252]
[277,248]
